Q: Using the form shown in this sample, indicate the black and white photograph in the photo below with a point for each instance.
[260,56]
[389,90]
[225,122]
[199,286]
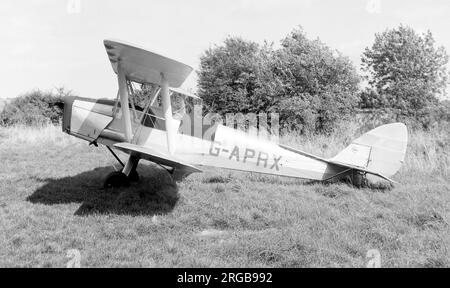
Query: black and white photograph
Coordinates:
[255,135]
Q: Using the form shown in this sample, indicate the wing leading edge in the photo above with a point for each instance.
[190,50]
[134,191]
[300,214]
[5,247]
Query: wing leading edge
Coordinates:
[144,66]
[156,157]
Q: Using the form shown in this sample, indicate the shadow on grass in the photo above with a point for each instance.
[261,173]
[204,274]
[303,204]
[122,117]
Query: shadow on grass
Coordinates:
[374,186]
[154,194]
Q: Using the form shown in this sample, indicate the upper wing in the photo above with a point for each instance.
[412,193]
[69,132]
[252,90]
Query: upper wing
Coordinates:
[143,66]
[155,156]
[184,92]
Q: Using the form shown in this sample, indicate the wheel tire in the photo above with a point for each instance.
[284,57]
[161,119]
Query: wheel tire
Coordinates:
[134,176]
[115,180]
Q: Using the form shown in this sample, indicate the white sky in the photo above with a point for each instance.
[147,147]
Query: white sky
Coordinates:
[51,43]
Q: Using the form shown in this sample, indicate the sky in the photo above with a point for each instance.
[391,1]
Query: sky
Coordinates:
[59,43]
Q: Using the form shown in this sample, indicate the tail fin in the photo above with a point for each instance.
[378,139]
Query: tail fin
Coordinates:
[381,150]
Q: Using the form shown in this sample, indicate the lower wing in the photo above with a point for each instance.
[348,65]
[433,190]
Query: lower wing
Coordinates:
[155,156]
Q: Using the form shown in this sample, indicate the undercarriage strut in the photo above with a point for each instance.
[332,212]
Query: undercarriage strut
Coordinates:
[115,156]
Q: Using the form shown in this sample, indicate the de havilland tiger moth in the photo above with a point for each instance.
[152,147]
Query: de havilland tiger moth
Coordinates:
[153,132]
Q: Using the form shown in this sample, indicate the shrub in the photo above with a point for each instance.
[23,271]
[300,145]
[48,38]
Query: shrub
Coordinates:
[406,73]
[320,85]
[309,84]
[34,108]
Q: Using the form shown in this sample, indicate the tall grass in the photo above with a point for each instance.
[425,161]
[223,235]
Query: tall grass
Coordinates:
[51,200]
[39,135]
[428,151]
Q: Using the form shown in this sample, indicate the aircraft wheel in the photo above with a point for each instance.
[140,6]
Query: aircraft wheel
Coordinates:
[115,180]
[134,176]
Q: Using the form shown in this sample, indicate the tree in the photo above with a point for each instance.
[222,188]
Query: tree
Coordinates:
[320,84]
[307,83]
[405,71]
[35,108]
[228,77]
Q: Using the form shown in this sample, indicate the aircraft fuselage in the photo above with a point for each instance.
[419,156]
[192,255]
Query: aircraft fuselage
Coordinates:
[100,121]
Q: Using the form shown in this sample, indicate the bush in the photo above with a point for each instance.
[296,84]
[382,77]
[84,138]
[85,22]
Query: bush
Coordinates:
[310,85]
[35,108]
[406,73]
[229,77]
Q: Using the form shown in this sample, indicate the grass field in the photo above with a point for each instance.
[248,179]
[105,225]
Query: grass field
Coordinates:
[51,201]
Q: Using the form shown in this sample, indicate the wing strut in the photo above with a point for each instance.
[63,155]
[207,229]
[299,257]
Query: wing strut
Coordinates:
[167,106]
[123,91]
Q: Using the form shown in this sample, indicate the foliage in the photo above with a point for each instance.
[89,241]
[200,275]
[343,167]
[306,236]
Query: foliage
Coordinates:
[307,83]
[405,72]
[144,92]
[34,108]
[228,77]
[320,85]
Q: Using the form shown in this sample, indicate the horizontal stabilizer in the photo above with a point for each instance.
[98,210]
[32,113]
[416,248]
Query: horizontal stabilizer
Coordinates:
[362,170]
[380,151]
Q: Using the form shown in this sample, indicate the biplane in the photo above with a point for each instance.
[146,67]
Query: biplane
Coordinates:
[152,131]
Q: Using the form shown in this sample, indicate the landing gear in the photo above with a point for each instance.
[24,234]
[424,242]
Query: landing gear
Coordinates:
[123,178]
[134,176]
[116,179]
